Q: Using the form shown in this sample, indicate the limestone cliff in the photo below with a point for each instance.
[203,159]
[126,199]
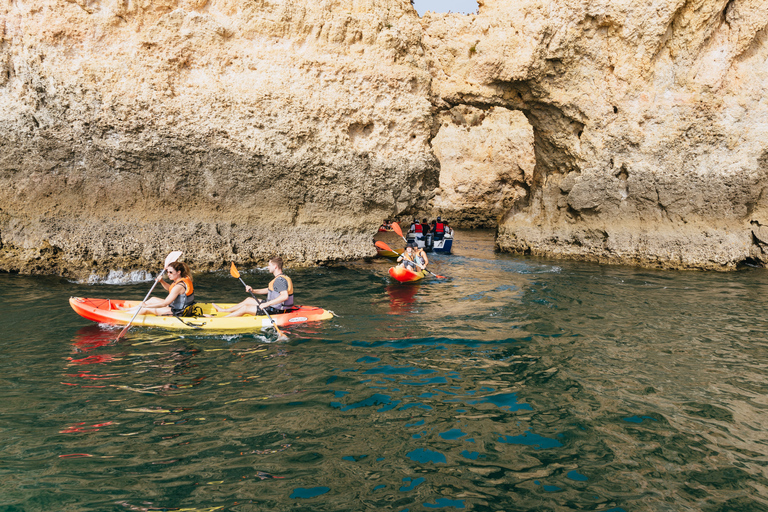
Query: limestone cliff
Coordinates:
[486,164]
[226,129]
[240,129]
[650,123]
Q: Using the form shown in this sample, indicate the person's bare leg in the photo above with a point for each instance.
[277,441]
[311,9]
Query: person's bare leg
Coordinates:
[152,302]
[245,309]
[248,301]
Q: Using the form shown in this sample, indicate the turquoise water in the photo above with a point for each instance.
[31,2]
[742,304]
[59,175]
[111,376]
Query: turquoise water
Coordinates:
[513,384]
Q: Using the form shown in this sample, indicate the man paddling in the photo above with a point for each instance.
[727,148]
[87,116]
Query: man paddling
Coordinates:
[413,258]
[279,295]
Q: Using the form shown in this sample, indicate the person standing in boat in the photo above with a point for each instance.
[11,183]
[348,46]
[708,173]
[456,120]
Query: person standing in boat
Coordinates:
[413,258]
[448,230]
[181,293]
[279,294]
[438,230]
[416,228]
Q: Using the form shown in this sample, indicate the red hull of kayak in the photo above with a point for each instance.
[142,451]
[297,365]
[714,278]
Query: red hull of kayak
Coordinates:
[405,275]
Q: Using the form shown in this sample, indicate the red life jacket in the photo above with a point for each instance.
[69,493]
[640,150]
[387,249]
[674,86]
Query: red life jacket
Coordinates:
[417,228]
[439,227]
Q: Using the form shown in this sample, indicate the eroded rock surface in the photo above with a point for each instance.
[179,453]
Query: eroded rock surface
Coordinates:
[229,130]
[650,123]
[486,164]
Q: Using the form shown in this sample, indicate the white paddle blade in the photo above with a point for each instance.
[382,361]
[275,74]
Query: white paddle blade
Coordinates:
[175,255]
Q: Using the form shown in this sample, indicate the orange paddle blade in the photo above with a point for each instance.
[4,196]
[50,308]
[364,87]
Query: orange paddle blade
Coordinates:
[233,271]
[396,228]
[384,247]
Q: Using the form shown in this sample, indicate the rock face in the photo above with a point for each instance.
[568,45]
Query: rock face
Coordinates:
[486,164]
[238,130]
[229,130]
[650,123]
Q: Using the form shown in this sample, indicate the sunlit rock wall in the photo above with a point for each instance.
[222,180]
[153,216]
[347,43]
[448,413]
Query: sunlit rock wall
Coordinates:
[230,130]
[486,164]
[650,123]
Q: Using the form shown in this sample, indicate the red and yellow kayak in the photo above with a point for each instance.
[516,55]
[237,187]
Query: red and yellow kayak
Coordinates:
[405,275]
[107,311]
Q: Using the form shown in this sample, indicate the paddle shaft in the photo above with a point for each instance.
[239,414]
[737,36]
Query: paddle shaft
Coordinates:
[258,306]
[125,329]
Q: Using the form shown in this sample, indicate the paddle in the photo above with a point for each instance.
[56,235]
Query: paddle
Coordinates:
[396,229]
[173,256]
[385,247]
[234,273]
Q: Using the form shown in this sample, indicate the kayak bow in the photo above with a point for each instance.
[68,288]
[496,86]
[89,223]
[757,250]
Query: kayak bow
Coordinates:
[405,275]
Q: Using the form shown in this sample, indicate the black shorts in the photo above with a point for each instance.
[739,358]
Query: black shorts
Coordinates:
[272,311]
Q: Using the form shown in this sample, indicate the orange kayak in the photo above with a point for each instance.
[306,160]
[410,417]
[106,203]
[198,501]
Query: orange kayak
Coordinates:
[405,275]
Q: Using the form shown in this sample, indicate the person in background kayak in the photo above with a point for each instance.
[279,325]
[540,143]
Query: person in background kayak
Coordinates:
[386,226]
[181,293]
[279,295]
[413,258]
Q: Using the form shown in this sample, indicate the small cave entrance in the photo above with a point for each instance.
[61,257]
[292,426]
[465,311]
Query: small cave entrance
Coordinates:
[487,162]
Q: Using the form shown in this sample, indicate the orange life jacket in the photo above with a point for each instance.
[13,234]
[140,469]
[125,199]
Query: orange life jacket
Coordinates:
[187,284]
[181,302]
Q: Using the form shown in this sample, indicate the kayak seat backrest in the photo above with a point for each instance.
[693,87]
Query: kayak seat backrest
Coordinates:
[191,310]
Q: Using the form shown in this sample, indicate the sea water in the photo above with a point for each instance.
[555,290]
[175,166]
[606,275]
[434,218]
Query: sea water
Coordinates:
[513,383]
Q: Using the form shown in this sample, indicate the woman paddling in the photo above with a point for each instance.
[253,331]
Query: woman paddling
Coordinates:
[413,258]
[180,293]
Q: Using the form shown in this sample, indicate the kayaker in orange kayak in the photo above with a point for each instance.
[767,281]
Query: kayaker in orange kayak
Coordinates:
[279,295]
[413,258]
[180,292]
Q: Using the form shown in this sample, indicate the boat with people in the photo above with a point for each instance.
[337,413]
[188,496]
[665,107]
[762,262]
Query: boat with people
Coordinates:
[435,236]
[206,317]
[429,244]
